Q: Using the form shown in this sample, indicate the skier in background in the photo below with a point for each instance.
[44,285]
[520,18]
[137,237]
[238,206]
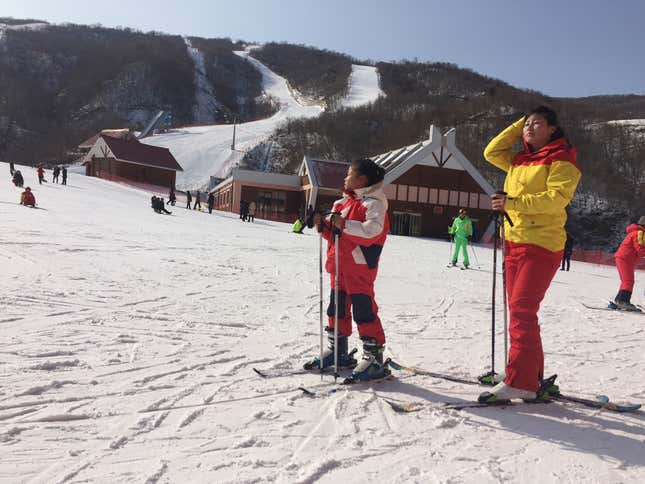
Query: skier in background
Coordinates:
[211,202]
[55,174]
[189,199]
[462,231]
[27,198]
[362,220]
[630,252]
[298,226]
[41,174]
[251,212]
[568,252]
[18,180]
[198,200]
[64,173]
[540,182]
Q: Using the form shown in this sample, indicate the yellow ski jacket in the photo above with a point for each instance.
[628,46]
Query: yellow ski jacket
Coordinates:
[539,184]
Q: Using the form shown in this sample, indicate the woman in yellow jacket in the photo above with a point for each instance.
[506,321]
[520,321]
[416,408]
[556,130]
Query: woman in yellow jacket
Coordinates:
[540,182]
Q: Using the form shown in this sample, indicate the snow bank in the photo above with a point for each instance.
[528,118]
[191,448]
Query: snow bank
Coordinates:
[129,340]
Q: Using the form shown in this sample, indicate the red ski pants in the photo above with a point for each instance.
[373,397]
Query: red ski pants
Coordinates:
[529,271]
[626,273]
[356,293]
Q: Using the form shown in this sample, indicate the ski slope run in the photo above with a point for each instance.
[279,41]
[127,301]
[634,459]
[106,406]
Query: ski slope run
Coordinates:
[205,151]
[128,341]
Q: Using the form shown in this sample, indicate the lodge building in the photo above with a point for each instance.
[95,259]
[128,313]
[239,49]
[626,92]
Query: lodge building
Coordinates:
[426,184]
[126,159]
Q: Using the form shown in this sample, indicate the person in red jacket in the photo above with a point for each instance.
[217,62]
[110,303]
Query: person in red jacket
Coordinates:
[27,198]
[41,174]
[361,219]
[627,257]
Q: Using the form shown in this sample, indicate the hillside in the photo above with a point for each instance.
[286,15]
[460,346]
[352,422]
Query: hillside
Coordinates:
[62,83]
[129,340]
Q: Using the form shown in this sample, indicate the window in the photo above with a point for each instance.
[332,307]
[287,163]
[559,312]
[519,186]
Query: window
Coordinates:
[390,192]
[402,193]
[463,199]
[433,196]
[454,199]
[474,200]
[268,202]
[423,195]
[484,201]
[412,194]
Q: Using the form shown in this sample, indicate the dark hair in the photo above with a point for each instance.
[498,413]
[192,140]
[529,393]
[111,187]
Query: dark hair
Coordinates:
[374,173]
[551,119]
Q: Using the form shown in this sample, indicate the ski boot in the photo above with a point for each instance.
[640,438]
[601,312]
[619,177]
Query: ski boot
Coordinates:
[503,393]
[345,359]
[371,366]
[623,302]
[548,388]
[491,378]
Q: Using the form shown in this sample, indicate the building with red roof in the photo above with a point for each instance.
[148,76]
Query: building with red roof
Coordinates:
[128,160]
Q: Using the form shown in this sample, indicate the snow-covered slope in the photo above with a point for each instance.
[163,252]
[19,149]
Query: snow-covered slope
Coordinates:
[128,340]
[206,151]
[363,87]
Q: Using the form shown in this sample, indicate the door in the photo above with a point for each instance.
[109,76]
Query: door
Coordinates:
[406,224]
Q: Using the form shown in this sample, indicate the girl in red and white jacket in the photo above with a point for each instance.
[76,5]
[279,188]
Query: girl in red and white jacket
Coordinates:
[362,221]
[627,257]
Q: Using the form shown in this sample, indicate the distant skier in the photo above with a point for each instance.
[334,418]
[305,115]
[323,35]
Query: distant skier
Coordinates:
[11,168]
[309,217]
[211,202]
[251,212]
[568,252]
[189,199]
[198,201]
[363,224]
[41,174]
[18,180]
[27,198]
[628,255]
[158,205]
[462,231]
[244,210]
[64,173]
[298,226]
[172,198]
[540,182]
[55,174]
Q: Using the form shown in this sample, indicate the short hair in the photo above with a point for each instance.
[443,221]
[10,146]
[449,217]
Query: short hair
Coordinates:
[365,166]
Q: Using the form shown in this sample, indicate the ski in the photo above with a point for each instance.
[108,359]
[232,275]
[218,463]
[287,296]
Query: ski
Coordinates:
[605,308]
[601,401]
[277,372]
[442,376]
[412,407]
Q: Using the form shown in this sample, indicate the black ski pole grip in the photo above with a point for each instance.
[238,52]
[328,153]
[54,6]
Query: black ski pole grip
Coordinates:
[506,216]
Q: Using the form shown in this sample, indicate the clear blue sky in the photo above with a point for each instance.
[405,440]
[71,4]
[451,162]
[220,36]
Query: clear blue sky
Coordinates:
[561,48]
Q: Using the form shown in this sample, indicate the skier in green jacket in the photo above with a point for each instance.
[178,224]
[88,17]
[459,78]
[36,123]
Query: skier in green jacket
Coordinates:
[462,231]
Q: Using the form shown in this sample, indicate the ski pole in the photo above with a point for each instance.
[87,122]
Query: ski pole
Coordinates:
[504,297]
[495,238]
[336,271]
[320,277]
[472,248]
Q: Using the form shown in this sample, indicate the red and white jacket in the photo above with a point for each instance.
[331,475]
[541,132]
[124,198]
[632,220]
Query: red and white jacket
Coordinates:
[366,227]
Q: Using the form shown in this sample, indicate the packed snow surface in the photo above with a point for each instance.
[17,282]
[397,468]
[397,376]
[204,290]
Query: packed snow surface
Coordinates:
[206,151]
[128,341]
[363,86]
